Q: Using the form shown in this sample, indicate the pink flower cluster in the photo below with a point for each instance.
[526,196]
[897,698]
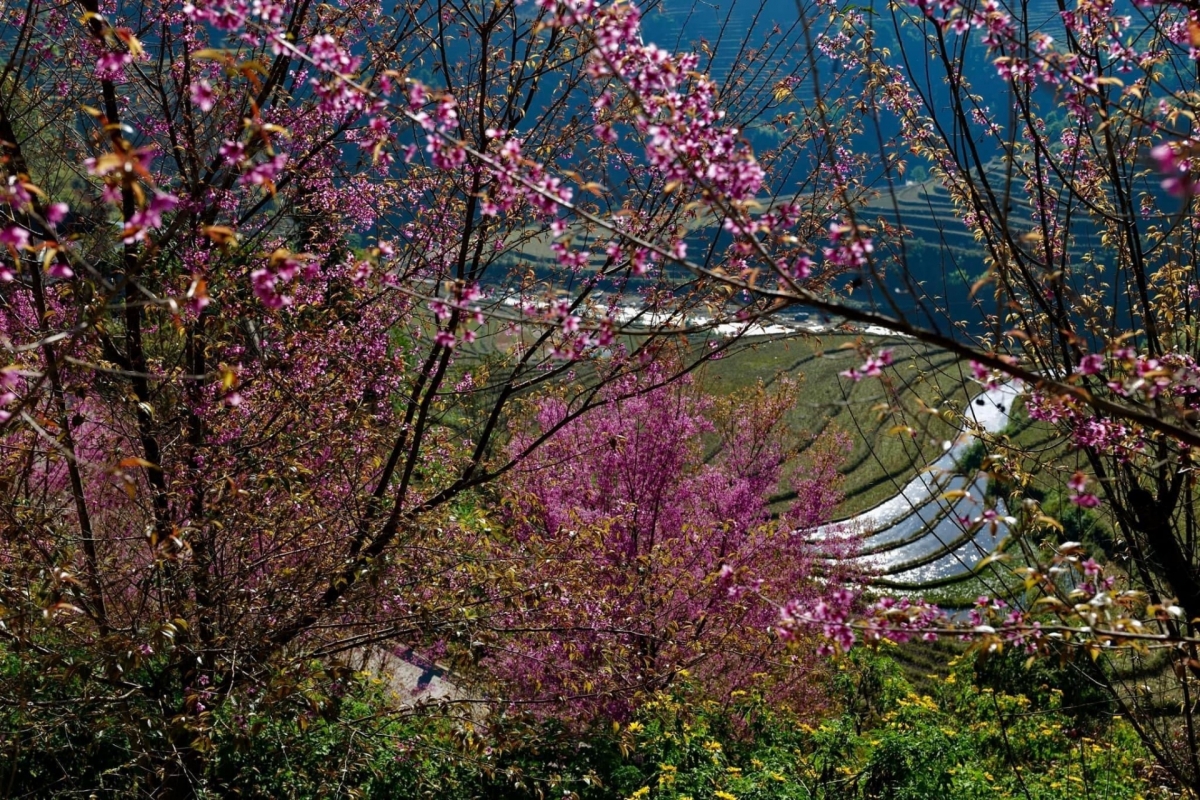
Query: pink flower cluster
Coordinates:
[462,300]
[245,16]
[446,151]
[1175,167]
[1080,496]
[10,382]
[1131,376]
[15,239]
[1076,602]
[849,247]
[280,270]
[648,536]
[677,116]
[149,217]
[842,615]
[871,368]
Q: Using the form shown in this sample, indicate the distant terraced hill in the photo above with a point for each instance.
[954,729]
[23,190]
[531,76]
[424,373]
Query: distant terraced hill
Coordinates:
[926,210]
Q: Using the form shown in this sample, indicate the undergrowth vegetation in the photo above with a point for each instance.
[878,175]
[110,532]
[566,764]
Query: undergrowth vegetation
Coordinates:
[980,728]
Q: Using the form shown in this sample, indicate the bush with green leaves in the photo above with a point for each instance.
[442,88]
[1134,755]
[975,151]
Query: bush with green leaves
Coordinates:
[320,732]
[307,731]
[891,743]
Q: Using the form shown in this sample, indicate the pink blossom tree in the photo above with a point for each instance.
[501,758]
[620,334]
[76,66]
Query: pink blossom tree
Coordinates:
[650,545]
[274,275]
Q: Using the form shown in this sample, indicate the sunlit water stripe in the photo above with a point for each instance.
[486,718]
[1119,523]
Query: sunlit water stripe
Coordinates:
[935,512]
[960,561]
[910,525]
[989,410]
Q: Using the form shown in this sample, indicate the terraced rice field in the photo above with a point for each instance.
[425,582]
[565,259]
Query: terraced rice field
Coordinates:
[881,460]
[896,483]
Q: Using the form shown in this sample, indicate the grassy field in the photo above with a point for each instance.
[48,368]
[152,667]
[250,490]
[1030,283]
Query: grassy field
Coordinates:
[893,436]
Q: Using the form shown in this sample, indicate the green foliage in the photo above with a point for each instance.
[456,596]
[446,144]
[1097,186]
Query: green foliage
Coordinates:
[867,686]
[307,732]
[1079,524]
[317,733]
[360,748]
[971,461]
[1075,685]
[59,731]
[890,744]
